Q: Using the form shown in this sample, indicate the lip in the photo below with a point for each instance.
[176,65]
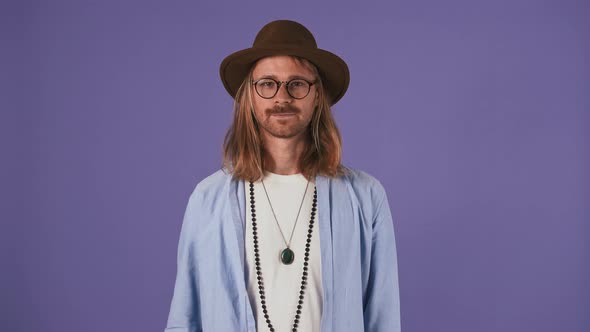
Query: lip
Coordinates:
[284,114]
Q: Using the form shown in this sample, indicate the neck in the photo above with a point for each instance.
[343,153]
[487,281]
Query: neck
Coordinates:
[282,155]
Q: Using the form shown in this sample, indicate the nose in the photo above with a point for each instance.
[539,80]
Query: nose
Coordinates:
[283,95]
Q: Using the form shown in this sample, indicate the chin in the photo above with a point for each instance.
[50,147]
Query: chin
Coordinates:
[285,133]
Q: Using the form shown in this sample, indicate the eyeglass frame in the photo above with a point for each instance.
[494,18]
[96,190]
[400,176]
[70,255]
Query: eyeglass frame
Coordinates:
[279,83]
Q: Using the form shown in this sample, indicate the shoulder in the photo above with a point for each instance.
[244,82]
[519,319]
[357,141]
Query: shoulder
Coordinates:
[211,187]
[364,185]
[368,192]
[203,204]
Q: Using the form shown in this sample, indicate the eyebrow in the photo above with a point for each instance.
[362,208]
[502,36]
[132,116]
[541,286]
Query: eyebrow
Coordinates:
[292,77]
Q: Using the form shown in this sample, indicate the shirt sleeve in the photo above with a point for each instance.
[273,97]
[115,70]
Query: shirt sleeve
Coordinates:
[184,313]
[382,304]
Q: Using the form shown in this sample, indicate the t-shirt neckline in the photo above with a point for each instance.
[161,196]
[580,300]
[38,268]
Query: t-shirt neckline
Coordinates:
[274,177]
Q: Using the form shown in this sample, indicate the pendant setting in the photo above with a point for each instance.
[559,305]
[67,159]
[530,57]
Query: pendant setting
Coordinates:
[287,256]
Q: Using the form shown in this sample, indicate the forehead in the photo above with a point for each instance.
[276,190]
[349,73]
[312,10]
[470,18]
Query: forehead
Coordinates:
[282,67]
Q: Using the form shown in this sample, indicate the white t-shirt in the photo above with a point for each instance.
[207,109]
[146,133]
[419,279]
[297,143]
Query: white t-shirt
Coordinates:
[281,282]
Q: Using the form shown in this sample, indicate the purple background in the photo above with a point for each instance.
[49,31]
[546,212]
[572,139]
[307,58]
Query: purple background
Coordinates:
[474,115]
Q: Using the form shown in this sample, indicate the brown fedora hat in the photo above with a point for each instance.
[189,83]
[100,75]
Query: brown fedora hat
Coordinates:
[284,37]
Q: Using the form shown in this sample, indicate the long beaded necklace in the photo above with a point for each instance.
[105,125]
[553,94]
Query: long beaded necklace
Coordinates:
[259,269]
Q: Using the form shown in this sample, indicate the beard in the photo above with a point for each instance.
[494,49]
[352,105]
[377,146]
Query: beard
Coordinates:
[284,126]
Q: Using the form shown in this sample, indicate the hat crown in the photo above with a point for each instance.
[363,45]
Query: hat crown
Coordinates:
[284,33]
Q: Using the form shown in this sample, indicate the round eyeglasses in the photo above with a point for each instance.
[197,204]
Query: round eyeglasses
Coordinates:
[297,88]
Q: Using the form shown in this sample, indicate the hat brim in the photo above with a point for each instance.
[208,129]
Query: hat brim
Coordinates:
[332,69]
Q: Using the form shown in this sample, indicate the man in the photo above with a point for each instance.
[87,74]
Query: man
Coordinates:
[284,237]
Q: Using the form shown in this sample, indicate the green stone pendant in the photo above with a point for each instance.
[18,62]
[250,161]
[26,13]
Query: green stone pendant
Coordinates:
[287,256]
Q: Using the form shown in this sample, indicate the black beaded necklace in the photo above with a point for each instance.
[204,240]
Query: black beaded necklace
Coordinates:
[305,261]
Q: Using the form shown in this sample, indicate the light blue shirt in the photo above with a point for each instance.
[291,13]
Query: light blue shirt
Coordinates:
[358,258]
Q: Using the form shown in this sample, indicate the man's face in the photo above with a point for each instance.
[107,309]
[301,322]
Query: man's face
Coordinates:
[283,116]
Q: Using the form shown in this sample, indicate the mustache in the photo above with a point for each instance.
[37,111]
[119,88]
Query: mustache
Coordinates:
[282,109]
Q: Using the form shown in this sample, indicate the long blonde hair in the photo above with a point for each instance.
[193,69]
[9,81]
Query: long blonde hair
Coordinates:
[243,155]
